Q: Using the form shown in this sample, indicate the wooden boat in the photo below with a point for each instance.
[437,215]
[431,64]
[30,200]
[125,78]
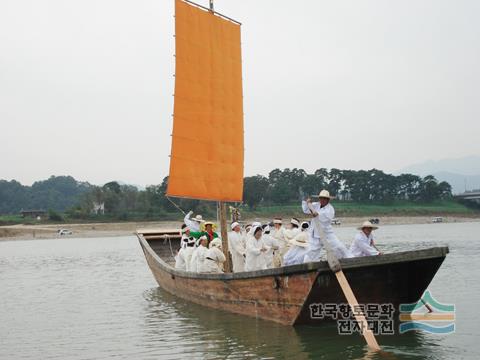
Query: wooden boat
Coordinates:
[284,294]
[207,164]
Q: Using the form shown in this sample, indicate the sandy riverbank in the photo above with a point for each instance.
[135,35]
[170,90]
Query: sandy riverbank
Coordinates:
[30,232]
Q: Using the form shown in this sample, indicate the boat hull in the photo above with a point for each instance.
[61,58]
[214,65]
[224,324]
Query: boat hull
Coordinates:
[284,295]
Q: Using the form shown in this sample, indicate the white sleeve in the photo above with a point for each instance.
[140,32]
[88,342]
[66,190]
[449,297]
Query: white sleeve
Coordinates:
[367,249]
[238,247]
[252,249]
[306,210]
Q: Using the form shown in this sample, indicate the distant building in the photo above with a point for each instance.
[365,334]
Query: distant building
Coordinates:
[34,214]
[98,208]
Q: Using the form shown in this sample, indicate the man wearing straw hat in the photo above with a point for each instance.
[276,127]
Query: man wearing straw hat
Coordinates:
[326,213]
[193,223]
[363,244]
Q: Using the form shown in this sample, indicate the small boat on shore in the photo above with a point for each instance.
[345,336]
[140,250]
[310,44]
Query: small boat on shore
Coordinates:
[284,294]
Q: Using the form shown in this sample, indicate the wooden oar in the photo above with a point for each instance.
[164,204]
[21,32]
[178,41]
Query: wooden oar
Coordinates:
[347,290]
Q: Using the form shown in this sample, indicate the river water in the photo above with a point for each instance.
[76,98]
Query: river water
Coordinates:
[95,298]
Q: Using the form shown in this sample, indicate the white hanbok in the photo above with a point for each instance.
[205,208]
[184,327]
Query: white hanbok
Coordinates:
[192,224]
[236,246]
[273,246]
[254,257]
[198,257]
[296,254]
[362,245]
[214,259]
[182,261]
[325,216]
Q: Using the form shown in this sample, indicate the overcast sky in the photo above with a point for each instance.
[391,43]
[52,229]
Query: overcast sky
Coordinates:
[86,86]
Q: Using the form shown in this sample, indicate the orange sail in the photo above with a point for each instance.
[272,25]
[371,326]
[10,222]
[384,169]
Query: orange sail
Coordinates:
[206,161]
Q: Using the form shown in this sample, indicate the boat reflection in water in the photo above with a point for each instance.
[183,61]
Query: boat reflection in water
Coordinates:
[176,327]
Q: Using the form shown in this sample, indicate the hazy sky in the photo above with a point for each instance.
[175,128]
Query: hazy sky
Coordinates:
[86,86]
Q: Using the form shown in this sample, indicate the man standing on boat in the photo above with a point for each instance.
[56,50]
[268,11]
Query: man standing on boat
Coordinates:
[193,223]
[325,213]
[208,230]
[363,244]
[236,246]
[279,234]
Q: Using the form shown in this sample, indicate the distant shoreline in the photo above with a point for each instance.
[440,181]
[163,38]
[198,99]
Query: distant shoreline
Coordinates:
[112,229]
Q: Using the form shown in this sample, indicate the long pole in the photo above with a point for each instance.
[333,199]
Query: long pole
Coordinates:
[345,286]
[223,230]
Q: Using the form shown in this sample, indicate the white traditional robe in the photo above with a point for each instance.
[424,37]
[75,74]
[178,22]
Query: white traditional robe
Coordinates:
[236,246]
[279,235]
[192,224]
[273,246]
[180,261]
[254,258]
[362,245]
[326,214]
[214,259]
[296,254]
[198,257]
[187,256]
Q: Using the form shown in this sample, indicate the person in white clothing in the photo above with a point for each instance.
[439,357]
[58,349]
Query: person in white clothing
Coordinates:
[198,256]
[193,223]
[214,258]
[363,244]
[298,249]
[278,232]
[185,254]
[272,244]
[255,251]
[185,236]
[323,212]
[236,246]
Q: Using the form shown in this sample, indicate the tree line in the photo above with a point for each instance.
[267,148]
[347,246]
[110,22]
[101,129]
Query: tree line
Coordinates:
[363,186]
[81,200]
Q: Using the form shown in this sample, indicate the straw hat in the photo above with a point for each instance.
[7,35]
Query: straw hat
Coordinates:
[234,225]
[198,218]
[204,224]
[299,240]
[325,194]
[217,242]
[368,224]
[295,222]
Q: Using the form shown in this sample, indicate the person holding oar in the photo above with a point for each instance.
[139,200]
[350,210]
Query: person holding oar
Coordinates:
[363,244]
[325,213]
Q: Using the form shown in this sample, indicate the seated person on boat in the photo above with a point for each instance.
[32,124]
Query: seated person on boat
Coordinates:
[236,246]
[198,256]
[255,251]
[214,258]
[298,247]
[363,244]
[193,223]
[182,261]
